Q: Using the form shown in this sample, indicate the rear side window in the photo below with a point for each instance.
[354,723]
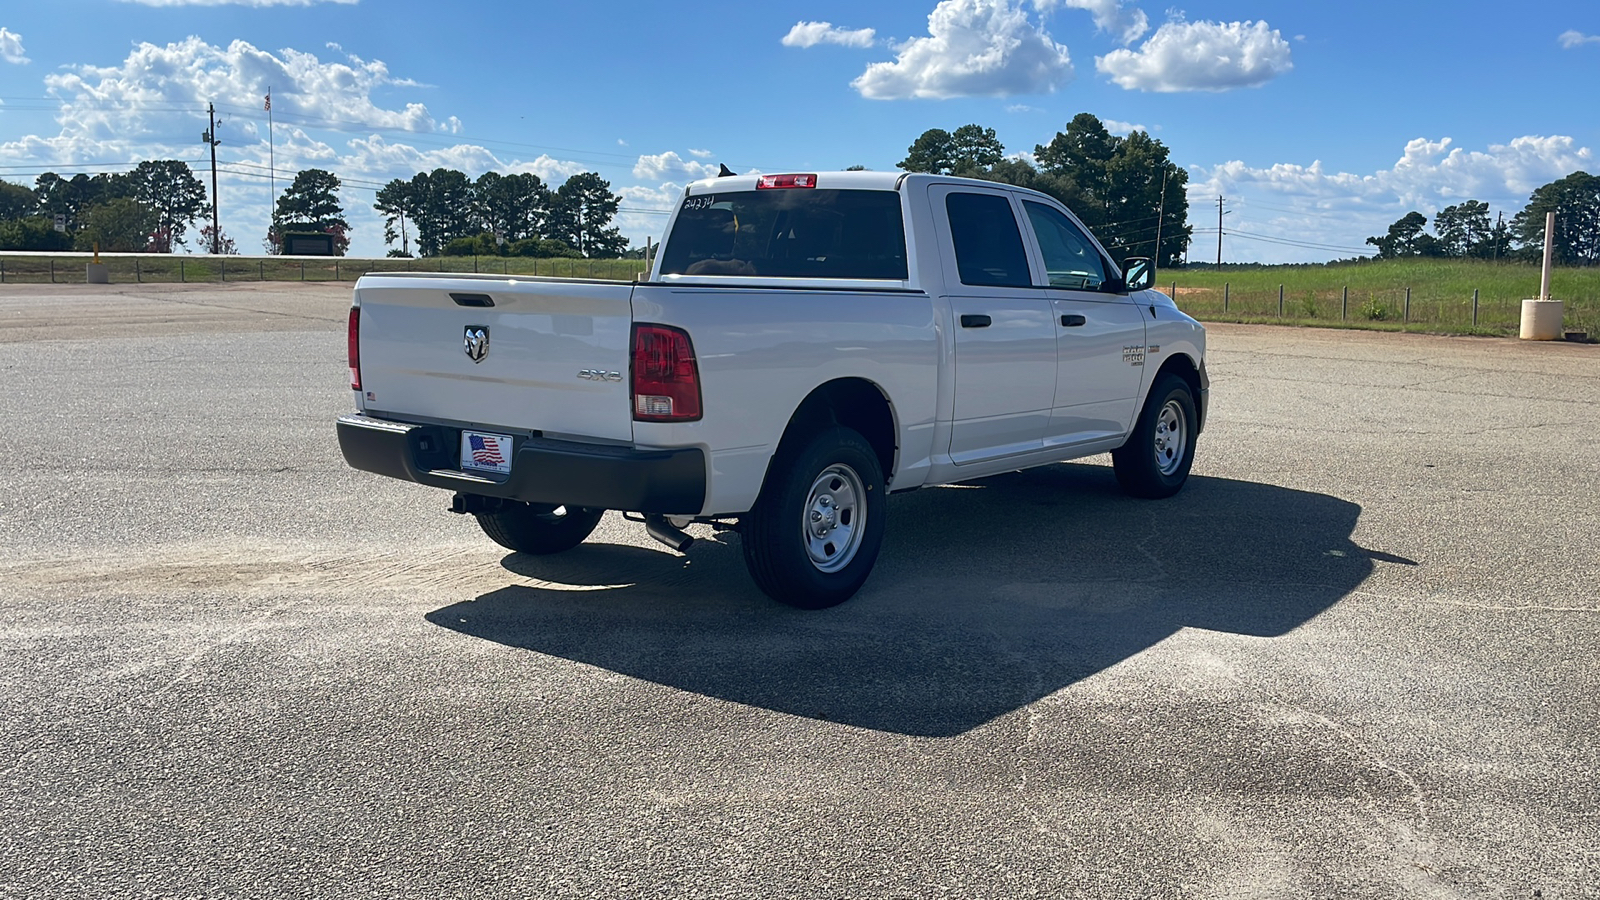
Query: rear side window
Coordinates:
[789,233]
[988,244]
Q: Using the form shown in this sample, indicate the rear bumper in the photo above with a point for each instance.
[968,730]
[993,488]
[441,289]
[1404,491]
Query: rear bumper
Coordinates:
[670,482]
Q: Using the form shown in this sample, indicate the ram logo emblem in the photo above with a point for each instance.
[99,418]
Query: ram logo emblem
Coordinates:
[599,375]
[477,342]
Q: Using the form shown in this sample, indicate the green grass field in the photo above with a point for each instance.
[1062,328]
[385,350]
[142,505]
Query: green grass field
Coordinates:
[1374,295]
[154,268]
[1353,295]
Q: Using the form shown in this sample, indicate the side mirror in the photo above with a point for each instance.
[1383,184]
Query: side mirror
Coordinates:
[1138,273]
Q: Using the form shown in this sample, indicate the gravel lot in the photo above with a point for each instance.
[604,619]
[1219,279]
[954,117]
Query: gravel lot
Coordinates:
[1357,657]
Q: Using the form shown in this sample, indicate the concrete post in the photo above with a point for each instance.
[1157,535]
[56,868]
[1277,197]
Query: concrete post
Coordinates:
[1541,316]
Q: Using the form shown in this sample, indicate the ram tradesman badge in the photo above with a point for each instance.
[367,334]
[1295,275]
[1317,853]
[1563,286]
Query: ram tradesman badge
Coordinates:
[477,342]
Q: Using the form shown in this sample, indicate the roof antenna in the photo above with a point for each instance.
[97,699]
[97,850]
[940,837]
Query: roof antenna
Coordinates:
[725,171]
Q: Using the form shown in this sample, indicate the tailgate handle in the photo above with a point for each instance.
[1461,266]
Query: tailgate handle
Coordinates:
[472,299]
[979,321]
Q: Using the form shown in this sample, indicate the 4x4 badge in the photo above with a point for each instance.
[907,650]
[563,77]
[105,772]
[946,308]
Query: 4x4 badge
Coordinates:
[477,342]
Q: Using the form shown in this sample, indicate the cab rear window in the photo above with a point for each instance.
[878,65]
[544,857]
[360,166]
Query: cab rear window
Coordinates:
[792,233]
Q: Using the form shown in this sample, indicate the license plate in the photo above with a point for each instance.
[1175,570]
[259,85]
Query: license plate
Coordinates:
[485,452]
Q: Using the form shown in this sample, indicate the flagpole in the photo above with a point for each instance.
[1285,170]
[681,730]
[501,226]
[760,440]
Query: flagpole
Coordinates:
[272,172]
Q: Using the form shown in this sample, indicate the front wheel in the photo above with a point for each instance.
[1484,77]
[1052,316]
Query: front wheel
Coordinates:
[539,528]
[1155,461]
[814,535]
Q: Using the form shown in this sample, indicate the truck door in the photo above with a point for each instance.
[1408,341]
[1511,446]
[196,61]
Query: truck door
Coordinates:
[1005,332]
[1099,332]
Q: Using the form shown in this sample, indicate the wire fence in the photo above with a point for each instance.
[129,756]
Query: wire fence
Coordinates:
[160,268]
[1420,308]
[1398,308]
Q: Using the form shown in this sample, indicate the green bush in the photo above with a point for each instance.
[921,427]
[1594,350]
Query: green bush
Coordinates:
[1375,311]
[543,248]
[33,233]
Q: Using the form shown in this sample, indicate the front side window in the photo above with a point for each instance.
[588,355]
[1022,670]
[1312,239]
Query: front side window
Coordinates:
[988,245]
[1070,259]
[789,233]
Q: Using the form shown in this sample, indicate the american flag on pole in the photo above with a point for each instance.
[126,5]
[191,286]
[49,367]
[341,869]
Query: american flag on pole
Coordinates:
[485,453]
[269,101]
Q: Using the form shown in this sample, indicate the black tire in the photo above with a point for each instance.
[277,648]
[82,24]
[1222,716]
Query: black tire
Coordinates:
[539,528]
[814,535]
[1155,461]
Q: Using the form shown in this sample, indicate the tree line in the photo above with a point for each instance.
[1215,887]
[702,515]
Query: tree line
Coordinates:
[153,208]
[149,209]
[443,212]
[1125,189]
[1463,231]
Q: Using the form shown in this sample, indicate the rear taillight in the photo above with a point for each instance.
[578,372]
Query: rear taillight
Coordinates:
[786,181]
[355,348]
[666,380]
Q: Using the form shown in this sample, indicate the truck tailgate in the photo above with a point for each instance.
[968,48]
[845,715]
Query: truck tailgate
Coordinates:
[555,361]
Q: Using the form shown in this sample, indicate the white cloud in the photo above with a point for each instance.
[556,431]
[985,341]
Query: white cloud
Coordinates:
[1201,56]
[136,111]
[1022,108]
[1128,24]
[1122,128]
[1340,209]
[700,154]
[1571,39]
[985,48]
[11,47]
[103,102]
[236,2]
[810,34]
[670,165]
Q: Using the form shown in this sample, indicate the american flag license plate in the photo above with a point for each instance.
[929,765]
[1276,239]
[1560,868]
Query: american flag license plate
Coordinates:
[486,452]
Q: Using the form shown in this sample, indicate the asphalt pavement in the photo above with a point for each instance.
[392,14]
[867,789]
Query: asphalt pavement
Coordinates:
[1358,656]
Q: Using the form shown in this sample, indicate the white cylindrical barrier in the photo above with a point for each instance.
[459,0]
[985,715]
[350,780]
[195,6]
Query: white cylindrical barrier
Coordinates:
[96,273]
[1541,320]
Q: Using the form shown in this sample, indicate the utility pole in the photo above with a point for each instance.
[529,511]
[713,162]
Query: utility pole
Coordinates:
[210,137]
[1161,213]
[1499,229]
[1219,230]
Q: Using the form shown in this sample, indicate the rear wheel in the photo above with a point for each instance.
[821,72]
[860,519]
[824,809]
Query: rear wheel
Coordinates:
[814,535]
[1155,461]
[539,528]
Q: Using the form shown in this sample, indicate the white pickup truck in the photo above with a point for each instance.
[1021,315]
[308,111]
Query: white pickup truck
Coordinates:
[803,346]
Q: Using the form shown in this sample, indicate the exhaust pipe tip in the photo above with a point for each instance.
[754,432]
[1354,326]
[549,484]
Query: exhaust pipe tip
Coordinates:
[662,530]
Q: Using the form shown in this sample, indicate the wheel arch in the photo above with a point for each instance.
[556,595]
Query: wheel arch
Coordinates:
[853,403]
[1183,366]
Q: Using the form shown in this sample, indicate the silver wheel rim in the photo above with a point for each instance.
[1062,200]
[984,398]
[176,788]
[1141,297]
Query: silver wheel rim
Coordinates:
[834,518]
[1172,437]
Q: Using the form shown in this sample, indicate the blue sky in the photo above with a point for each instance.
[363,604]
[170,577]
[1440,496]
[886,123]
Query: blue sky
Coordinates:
[1319,122]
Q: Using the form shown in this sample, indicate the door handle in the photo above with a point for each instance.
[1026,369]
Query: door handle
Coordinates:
[1072,320]
[979,321]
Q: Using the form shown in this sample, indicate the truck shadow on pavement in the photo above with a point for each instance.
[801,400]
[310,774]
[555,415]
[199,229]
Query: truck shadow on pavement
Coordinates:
[987,597]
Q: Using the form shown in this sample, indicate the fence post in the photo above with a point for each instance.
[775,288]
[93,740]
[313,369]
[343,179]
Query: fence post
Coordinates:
[224,268]
[2,271]
[1408,304]
[261,269]
[52,270]
[1174,294]
[474,263]
[138,276]
[1474,307]
[1280,301]
[1225,287]
[181,276]
[1344,305]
